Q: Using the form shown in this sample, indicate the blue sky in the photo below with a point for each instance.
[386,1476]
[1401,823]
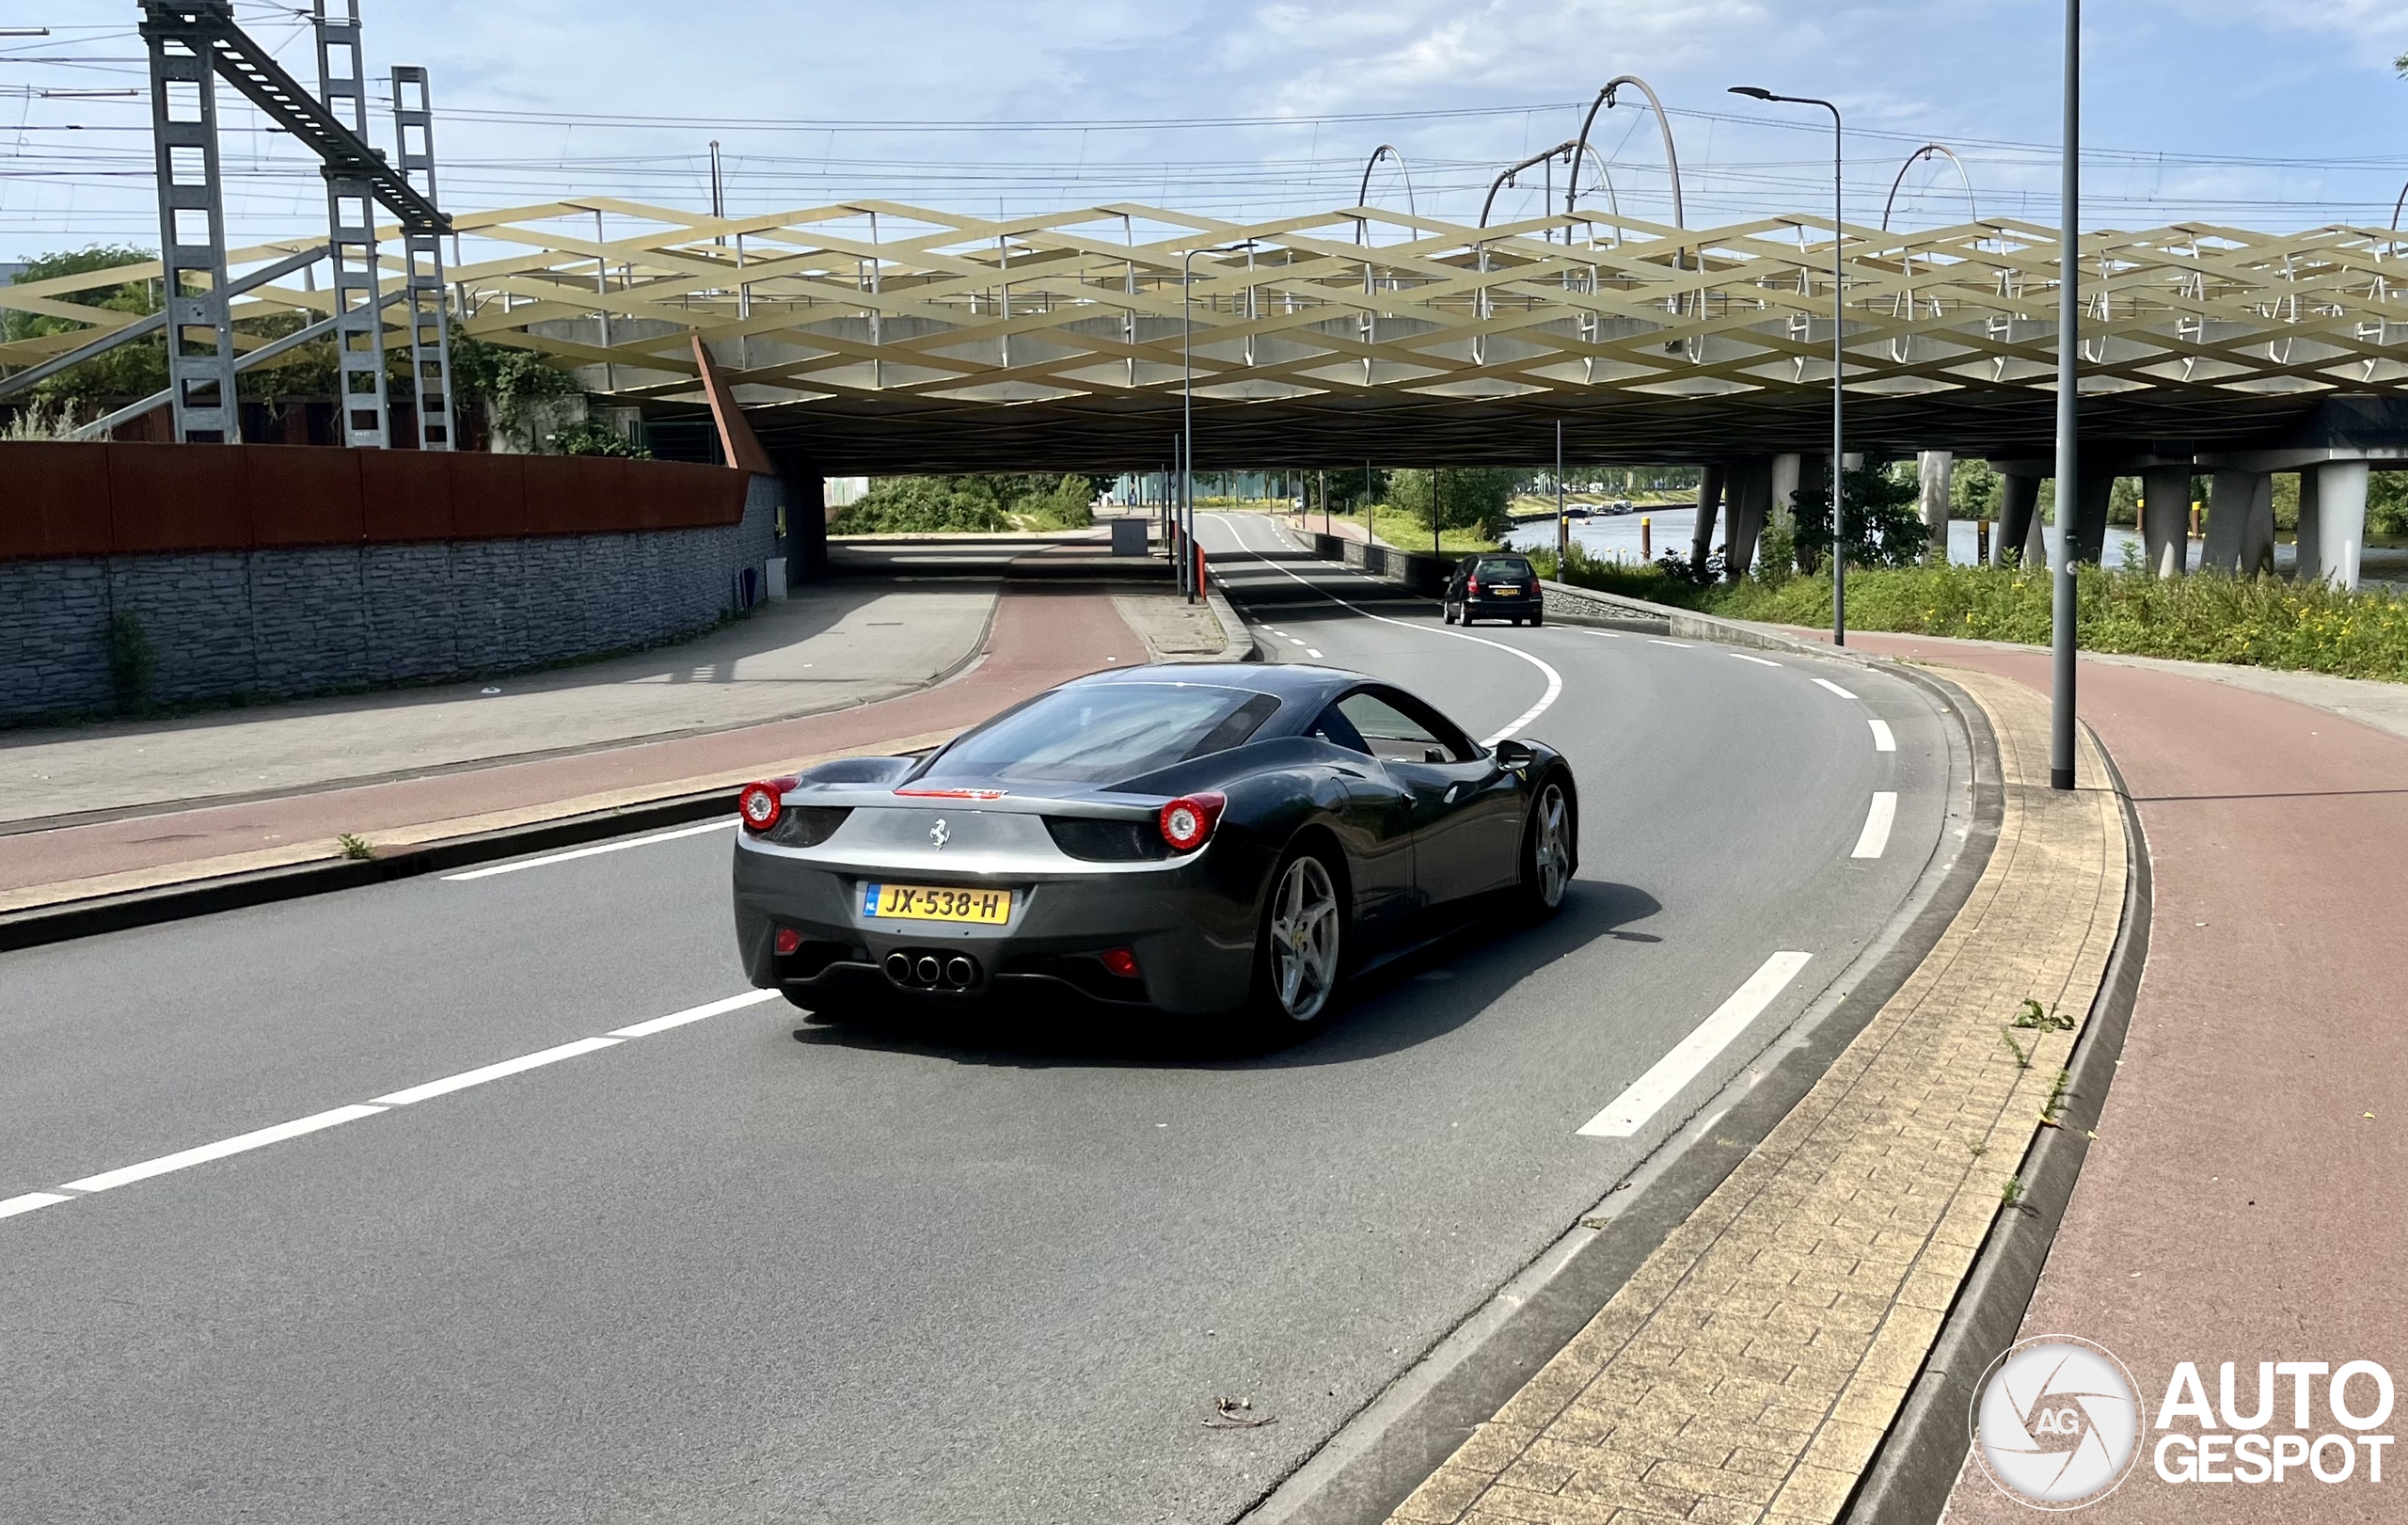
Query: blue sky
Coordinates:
[2252,112]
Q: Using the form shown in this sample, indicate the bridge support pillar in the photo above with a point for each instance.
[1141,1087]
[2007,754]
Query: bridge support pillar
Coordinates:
[2166,519]
[1933,470]
[1710,483]
[2340,519]
[1787,472]
[2088,542]
[1751,497]
[2310,532]
[2018,521]
[2240,522]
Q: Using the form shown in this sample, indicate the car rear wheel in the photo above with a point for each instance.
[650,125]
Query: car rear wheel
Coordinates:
[1303,941]
[1549,848]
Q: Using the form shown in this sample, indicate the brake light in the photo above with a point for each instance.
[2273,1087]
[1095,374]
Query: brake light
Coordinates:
[761,804]
[789,939]
[1472,586]
[1121,962]
[1187,821]
[954,794]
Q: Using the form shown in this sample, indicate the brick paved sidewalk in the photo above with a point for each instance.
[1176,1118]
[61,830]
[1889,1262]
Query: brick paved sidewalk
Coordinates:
[1750,1367]
[1040,637]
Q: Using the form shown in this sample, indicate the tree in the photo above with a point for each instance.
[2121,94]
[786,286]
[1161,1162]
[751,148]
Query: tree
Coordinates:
[1972,490]
[134,369]
[1471,498]
[1884,520]
[987,501]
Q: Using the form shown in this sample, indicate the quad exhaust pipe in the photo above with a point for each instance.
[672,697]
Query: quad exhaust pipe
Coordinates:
[931,971]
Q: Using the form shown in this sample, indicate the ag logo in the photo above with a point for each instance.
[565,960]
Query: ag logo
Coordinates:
[2056,1423]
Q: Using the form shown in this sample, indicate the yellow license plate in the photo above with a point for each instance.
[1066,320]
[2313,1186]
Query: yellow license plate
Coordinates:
[930,902]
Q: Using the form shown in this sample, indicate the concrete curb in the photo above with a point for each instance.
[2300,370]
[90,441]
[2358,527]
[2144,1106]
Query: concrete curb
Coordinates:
[1920,1459]
[1241,647]
[1376,1460]
[202,897]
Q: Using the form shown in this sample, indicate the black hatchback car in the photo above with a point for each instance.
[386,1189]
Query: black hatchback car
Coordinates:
[1493,587]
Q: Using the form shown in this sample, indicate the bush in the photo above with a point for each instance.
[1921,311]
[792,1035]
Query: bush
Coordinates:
[592,437]
[1666,581]
[2258,622]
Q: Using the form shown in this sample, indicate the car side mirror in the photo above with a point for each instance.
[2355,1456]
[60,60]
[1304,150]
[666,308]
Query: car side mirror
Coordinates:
[1512,753]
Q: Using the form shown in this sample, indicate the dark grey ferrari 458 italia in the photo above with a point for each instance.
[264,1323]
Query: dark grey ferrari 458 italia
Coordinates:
[1183,838]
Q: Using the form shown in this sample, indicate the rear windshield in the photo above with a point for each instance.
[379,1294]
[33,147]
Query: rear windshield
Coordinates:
[1504,568]
[1102,733]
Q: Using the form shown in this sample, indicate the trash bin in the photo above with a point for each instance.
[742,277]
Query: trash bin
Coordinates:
[1128,537]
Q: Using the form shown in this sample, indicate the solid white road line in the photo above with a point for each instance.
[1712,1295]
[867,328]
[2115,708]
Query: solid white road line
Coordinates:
[1876,835]
[1760,661]
[496,1071]
[590,853]
[1883,739]
[124,1175]
[1658,641]
[1646,1096]
[1826,683]
[218,1150]
[1554,678]
[694,1013]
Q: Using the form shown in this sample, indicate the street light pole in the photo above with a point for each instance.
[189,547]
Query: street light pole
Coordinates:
[2062,604]
[1839,350]
[1187,403]
[1561,535]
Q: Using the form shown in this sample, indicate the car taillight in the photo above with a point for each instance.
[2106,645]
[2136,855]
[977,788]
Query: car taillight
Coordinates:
[789,939]
[1187,821]
[759,805]
[1120,962]
[1472,586]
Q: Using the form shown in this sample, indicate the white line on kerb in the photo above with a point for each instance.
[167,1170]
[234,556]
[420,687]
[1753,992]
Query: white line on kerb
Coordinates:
[1826,683]
[588,853]
[298,1127]
[261,1138]
[1883,740]
[1644,1097]
[1554,678]
[1760,661]
[1876,835]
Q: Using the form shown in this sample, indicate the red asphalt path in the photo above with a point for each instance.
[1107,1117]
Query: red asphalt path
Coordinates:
[1041,637]
[2239,1205]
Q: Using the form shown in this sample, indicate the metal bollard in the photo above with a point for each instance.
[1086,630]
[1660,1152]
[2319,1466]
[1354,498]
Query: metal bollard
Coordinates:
[1981,542]
[1646,539]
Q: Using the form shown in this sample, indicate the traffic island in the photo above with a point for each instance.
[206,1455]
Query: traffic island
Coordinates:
[1753,1364]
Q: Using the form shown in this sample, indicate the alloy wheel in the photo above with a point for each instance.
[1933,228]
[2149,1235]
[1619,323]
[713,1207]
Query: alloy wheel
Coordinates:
[1551,855]
[1304,940]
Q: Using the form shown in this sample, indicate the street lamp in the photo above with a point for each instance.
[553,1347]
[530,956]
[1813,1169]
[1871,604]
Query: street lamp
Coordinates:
[1187,404]
[1839,352]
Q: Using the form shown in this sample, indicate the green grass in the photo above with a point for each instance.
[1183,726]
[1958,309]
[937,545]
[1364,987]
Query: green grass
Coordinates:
[2259,622]
[1394,527]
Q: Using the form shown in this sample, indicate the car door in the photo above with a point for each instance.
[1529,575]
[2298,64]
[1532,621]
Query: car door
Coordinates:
[1465,808]
[1380,822]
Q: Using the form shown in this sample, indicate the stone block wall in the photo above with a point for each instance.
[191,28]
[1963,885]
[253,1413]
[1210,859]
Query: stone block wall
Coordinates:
[278,622]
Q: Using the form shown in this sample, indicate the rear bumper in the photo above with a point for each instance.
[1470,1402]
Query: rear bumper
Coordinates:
[1492,609]
[1193,941]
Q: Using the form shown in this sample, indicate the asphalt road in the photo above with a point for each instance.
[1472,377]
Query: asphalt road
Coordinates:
[754,1269]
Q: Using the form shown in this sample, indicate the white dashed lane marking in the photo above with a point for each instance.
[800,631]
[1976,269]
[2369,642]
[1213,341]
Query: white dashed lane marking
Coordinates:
[1876,836]
[1760,661]
[1883,740]
[1826,683]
